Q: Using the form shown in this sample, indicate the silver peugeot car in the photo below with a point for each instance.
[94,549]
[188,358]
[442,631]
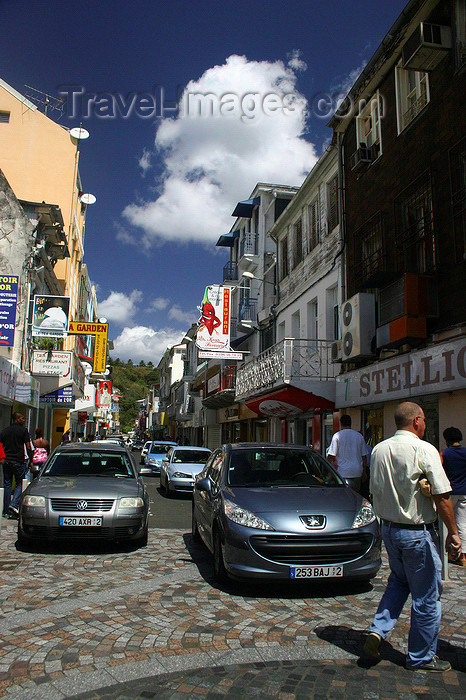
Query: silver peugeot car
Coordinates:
[270,511]
[88,491]
[180,467]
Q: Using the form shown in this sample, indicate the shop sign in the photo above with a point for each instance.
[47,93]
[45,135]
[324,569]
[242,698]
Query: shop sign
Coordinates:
[87,401]
[287,402]
[8,374]
[100,333]
[213,384]
[435,369]
[62,396]
[214,324]
[50,316]
[8,301]
[51,363]
[103,396]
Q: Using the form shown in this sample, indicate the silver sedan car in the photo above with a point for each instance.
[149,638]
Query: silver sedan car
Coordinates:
[180,467]
[86,491]
[282,512]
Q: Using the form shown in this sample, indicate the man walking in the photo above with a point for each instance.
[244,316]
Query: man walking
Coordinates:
[14,439]
[407,519]
[347,454]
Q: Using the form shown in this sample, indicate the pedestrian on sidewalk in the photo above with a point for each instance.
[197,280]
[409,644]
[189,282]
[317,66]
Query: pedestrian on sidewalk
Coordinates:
[347,454]
[407,519]
[41,452]
[454,463]
[14,439]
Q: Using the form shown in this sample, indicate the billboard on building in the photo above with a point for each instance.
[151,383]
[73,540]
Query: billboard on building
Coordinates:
[50,316]
[8,301]
[103,394]
[214,324]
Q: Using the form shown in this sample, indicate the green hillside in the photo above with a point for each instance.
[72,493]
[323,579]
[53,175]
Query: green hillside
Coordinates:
[133,382]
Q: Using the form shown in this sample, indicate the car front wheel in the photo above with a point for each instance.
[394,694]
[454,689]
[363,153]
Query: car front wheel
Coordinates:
[220,572]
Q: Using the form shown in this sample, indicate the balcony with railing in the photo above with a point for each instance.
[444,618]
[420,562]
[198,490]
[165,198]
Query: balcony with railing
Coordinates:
[219,390]
[248,244]
[305,364]
[230,272]
[247,310]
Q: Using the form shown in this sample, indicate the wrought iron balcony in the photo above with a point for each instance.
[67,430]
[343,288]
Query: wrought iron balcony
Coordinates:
[248,244]
[230,272]
[290,361]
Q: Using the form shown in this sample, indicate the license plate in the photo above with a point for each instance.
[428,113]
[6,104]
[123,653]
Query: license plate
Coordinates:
[316,571]
[79,522]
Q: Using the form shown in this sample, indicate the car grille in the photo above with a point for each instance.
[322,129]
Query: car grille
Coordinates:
[82,533]
[71,504]
[316,549]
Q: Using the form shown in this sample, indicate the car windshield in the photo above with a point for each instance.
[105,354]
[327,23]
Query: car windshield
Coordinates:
[192,456]
[89,463]
[276,467]
[159,449]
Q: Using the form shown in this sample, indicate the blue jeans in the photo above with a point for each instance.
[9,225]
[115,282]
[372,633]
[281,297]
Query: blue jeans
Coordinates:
[416,568]
[19,471]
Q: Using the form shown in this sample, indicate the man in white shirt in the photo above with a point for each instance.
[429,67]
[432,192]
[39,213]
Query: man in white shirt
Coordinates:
[347,454]
[407,519]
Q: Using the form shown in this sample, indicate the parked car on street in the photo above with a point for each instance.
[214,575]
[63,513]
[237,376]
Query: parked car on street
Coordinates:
[144,451]
[156,452]
[180,467]
[137,445]
[282,512]
[88,491]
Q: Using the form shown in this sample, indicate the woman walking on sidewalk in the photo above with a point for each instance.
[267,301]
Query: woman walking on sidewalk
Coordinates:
[454,464]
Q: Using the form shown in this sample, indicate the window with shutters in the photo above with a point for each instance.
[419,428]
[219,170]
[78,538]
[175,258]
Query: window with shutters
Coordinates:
[284,258]
[4,117]
[415,240]
[298,242]
[412,95]
[314,224]
[458,197]
[332,204]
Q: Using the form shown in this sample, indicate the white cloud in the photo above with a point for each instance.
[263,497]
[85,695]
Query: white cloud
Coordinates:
[143,343]
[119,307]
[175,313]
[145,161]
[211,161]
[296,62]
[159,304]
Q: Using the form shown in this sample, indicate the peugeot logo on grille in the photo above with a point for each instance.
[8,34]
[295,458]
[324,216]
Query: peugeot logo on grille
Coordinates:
[81,505]
[314,521]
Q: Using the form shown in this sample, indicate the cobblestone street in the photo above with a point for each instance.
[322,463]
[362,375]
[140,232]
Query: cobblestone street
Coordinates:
[152,623]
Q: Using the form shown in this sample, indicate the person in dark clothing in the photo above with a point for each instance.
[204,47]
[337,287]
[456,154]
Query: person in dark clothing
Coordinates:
[14,439]
[454,463]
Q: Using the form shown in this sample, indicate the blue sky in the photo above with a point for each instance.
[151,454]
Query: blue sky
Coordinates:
[166,179]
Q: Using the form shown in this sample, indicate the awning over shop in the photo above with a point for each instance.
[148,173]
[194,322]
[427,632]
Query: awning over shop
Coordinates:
[245,208]
[287,402]
[227,240]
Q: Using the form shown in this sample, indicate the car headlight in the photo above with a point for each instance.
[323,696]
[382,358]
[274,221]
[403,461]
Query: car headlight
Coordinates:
[366,515]
[37,501]
[182,475]
[131,502]
[244,517]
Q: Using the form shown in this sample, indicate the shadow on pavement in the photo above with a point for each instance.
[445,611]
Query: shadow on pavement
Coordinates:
[352,641]
[272,588]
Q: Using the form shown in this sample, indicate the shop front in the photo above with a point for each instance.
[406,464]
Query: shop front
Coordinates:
[434,377]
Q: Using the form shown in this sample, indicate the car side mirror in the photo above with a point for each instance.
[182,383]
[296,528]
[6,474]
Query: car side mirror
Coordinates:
[203,484]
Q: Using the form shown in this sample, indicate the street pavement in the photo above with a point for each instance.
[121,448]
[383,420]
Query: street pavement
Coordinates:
[151,623]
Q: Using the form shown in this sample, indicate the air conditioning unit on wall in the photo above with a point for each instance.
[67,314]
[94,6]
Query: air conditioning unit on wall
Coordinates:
[358,326]
[426,47]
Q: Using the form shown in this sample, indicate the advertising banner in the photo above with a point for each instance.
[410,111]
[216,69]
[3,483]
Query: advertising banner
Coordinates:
[63,395]
[8,300]
[50,316]
[103,395]
[51,363]
[87,401]
[214,324]
[100,333]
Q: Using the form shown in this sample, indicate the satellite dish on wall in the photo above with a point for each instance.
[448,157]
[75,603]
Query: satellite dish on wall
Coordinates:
[87,198]
[79,133]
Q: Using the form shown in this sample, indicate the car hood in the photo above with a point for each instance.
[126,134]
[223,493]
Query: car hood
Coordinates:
[186,468]
[84,487]
[282,507]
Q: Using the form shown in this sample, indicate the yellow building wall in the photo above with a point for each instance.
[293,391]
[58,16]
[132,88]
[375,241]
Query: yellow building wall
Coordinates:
[40,161]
